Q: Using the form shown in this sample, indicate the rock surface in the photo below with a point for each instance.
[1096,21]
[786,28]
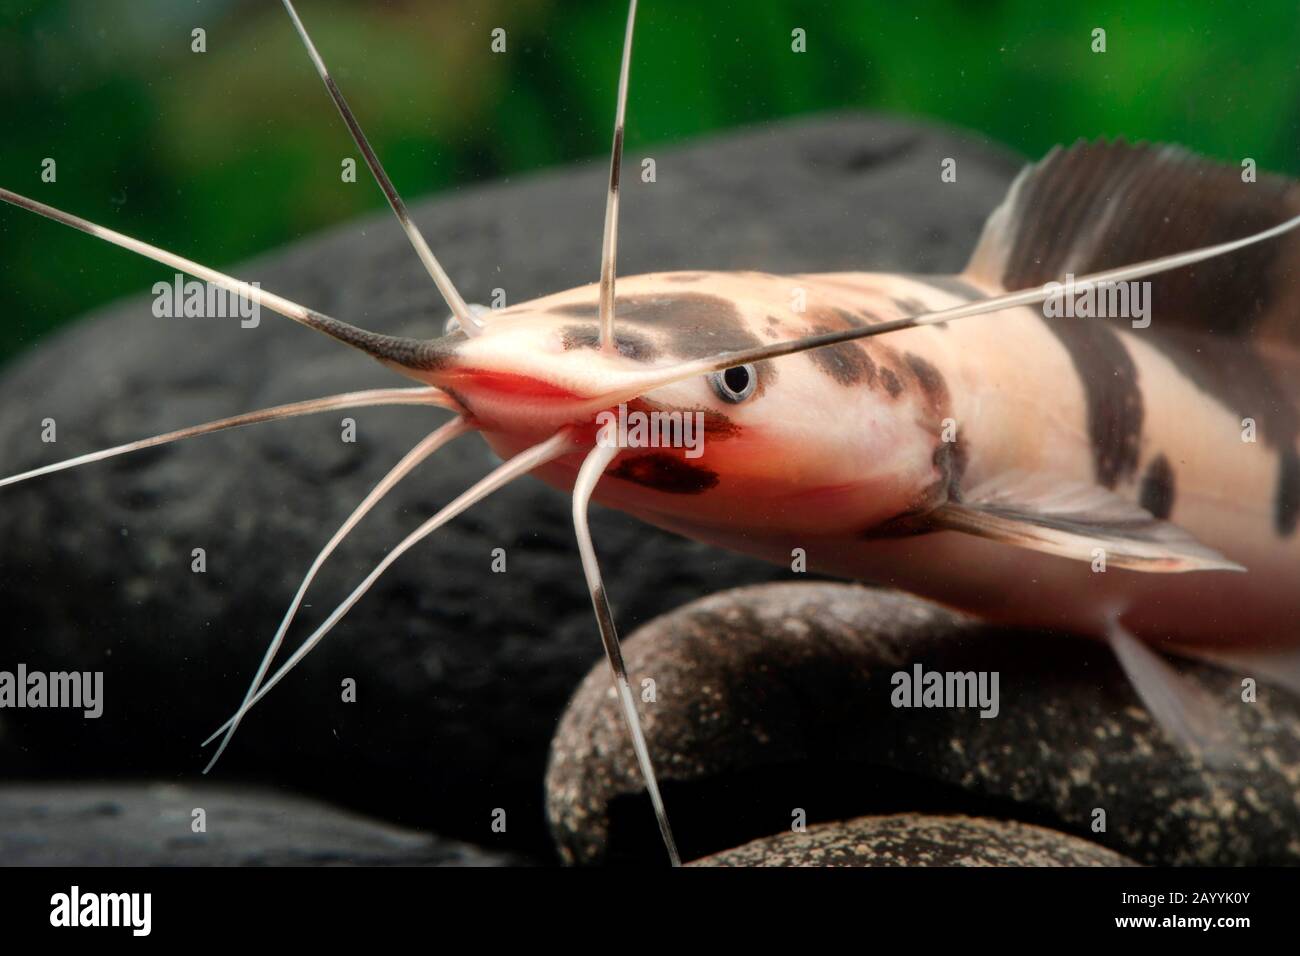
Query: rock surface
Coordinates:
[461,673]
[153,825]
[775,699]
[910,839]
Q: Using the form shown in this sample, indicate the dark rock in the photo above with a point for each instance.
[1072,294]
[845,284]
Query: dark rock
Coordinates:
[911,839]
[153,825]
[776,698]
[461,673]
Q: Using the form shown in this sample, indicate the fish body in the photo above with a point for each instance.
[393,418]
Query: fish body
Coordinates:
[1029,467]
[807,471]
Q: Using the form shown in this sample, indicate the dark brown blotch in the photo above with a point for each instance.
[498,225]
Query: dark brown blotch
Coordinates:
[909,306]
[696,324]
[891,382]
[1156,494]
[693,325]
[629,344]
[949,461]
[950,458]
[666,473]
[929,378]
[846,364]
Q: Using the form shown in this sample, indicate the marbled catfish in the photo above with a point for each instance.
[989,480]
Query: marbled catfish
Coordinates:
[1133,478]
[1044,467]
[1028,467]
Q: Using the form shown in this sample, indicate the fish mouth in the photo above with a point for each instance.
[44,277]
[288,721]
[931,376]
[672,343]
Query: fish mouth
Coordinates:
[514,402]
[506,384]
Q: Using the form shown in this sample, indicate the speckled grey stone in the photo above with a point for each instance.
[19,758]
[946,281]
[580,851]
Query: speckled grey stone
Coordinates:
[774,698]
[911,839]
[461,673]
[97,824]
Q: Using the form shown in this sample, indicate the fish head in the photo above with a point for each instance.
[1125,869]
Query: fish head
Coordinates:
[846,436]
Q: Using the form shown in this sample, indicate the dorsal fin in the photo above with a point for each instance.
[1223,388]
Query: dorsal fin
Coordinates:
[1099,205]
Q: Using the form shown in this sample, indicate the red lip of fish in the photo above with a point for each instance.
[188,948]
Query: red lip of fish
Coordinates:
[511,384]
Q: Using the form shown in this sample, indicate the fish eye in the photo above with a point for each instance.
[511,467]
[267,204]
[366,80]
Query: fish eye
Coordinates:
[735,384]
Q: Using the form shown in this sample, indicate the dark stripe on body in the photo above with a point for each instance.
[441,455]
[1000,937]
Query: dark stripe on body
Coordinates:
[1113,397]
[1057,221]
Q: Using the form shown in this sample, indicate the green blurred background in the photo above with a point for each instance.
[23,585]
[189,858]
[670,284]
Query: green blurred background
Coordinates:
[227,153]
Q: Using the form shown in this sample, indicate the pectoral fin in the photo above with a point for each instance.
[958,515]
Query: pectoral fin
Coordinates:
[1074,521]
[1185,711]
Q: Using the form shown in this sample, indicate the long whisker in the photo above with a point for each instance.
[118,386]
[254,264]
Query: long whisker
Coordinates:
[394,349]
[430,444]
[588,475]
[638,384]
[468,322]
[558,444]
[609,246]
[375,396]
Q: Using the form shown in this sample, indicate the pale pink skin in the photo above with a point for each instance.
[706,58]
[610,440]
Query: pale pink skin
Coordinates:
[818,463]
